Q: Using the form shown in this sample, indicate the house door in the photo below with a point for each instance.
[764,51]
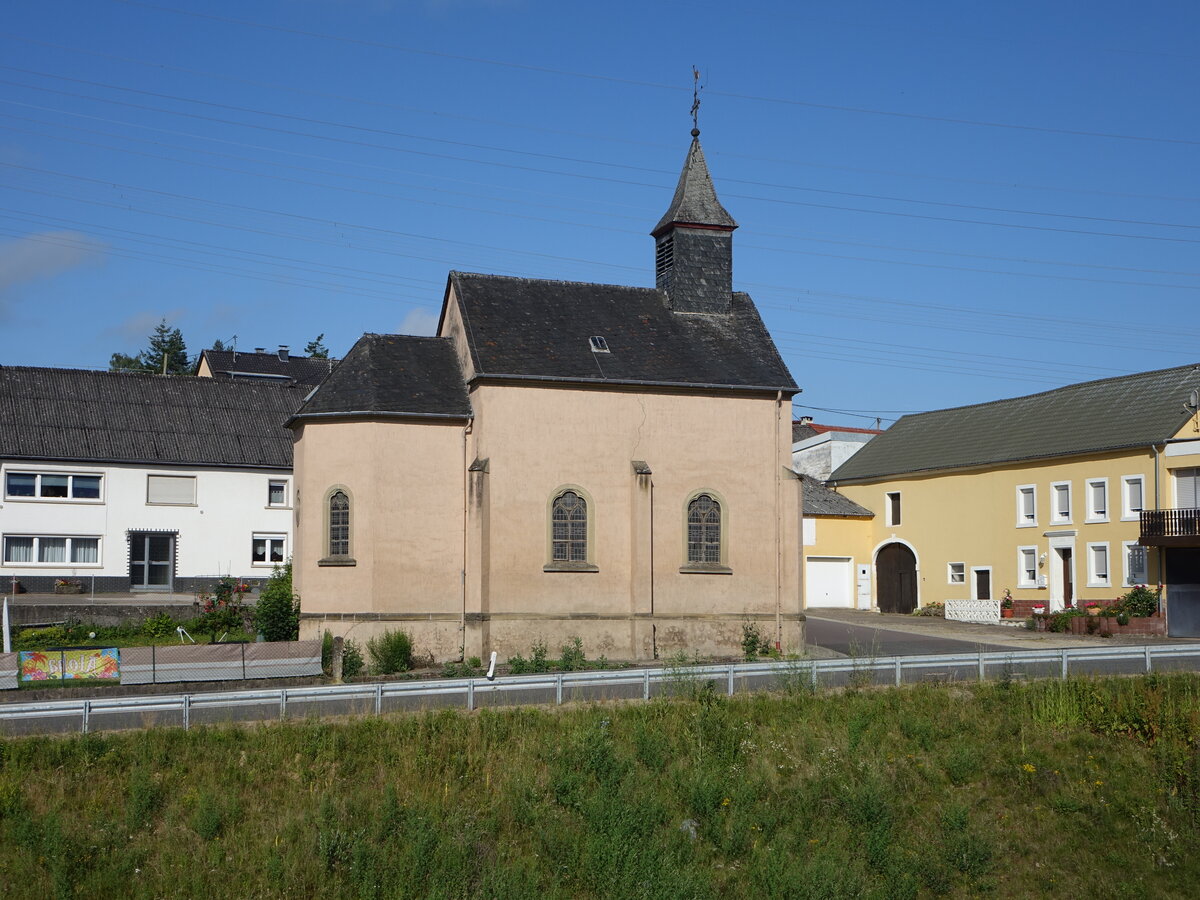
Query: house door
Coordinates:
[151,561]
[896,579]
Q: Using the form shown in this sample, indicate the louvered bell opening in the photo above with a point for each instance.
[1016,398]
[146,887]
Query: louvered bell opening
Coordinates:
[664,257]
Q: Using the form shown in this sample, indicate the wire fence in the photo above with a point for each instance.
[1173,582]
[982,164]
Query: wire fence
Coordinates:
[190,709]
[162,664]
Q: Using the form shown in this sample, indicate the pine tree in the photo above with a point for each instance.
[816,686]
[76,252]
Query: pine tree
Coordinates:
[317,348]
[166,353]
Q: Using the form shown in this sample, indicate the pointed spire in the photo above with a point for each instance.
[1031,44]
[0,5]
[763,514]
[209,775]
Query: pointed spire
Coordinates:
[695,201]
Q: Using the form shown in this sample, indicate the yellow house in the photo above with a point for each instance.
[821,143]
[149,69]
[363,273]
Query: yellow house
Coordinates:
[1062,497]
[561,460]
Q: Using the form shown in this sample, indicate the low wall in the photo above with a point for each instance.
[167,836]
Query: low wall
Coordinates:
[99,613]
[984,612]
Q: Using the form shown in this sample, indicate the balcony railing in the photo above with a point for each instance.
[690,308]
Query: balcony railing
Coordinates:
[1170,527]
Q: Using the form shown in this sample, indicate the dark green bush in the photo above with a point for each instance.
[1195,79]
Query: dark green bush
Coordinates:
[159,625]
[352,659]
[277,613]
[572,657]
[390,652]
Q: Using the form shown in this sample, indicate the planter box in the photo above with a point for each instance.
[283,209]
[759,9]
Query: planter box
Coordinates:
[1148,625]
[68,589]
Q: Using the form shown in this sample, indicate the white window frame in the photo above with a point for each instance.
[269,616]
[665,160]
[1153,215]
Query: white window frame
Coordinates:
[1093,580]
[37,497]
[1056,518]
[1022,491]
[975,582]
[1127,572]
[1092,515]
[893,521]
[1128,514]
[66,563]
[195,490]
[962,573]
[269,537]
[286,497]
[1022,581]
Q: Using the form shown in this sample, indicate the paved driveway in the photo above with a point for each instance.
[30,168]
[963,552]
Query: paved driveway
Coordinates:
[874,640]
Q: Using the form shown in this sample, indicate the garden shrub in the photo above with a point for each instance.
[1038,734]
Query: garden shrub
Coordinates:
[352,659]
[159,625]
[277,613]
[390,652]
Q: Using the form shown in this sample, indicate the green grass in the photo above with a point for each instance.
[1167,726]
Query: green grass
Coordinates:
[1076,789]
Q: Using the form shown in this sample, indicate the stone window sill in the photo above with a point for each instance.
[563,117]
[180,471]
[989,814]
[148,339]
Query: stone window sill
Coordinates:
[562,566]
[337,561]
[705,569]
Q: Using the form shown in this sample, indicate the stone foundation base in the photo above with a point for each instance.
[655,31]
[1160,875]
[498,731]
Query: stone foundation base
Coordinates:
[616,637]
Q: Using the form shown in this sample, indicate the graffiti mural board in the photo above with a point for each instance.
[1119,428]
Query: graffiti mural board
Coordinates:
[53,665]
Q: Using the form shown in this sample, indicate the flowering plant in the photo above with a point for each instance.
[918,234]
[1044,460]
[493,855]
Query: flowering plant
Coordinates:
[1091,605]
[1006,602]
[66,582]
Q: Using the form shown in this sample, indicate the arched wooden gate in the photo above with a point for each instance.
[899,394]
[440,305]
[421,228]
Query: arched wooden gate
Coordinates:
[896,579]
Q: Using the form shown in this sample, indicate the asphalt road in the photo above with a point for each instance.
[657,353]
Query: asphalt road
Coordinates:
[871,641]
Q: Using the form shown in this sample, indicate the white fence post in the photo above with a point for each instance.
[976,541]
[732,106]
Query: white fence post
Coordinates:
[87,713]
[187,711]
[558,689]
[645,684]
[1148,658]
[471,694]
[899,672]
[1064,663]
[283,704]
[379,699]
[731,681]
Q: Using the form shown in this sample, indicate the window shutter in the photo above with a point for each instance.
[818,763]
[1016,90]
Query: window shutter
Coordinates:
[1187,481]
[171,489]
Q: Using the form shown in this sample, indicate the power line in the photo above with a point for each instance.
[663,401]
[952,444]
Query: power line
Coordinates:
[675,88]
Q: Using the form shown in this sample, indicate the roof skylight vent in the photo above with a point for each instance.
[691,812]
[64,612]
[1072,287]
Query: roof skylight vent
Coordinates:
[598,344]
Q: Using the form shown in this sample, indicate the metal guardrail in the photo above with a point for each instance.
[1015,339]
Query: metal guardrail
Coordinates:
[372,697]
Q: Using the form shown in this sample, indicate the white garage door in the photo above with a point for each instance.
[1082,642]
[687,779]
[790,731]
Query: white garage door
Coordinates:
[830,581]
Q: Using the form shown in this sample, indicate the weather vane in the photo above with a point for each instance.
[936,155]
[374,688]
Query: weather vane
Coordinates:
[695,102]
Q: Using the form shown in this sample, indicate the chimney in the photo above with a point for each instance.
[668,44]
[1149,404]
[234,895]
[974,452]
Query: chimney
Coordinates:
[260,349]
[804,420]
[283,352]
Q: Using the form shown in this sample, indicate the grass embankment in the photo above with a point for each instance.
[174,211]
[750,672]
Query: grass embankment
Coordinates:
[1076,789]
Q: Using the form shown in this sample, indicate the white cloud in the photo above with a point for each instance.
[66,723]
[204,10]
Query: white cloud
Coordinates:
[40,256]
[420,321]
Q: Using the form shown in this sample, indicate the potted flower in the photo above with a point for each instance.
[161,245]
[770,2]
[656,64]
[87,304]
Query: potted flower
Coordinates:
[1093,608]
[1006,605]
[1039,608]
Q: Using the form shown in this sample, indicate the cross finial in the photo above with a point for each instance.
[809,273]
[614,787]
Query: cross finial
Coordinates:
[695,102]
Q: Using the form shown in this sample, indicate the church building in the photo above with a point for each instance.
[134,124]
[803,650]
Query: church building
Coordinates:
[563,459]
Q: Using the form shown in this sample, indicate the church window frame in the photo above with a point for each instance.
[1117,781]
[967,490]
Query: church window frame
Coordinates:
[570,530]
[699,549]
[337,535]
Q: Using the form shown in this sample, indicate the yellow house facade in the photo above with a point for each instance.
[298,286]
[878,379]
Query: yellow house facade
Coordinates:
[1063,497]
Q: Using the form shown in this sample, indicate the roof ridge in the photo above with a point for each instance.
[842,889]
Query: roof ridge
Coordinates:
[454,273]
[1078,384]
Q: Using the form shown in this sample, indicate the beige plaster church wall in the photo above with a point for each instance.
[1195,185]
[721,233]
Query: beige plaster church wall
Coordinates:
[405,482]
[407,485]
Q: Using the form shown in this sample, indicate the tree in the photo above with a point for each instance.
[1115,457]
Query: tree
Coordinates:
[317,348]
[165,351]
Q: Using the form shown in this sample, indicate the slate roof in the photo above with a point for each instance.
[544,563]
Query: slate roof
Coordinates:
[65,414]
[391,375]
[1096,416]
[822,501]
[301,369]
[528,328]
[695,201]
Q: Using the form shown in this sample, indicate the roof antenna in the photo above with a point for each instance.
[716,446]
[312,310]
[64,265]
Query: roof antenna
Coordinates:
[695,102]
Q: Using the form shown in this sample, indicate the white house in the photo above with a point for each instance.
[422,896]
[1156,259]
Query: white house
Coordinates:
[819,449]
[142,482]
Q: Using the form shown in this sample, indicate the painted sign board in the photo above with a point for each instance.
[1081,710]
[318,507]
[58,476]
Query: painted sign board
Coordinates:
[53,665]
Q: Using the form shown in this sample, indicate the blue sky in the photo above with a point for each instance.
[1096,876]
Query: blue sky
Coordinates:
[940,203]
